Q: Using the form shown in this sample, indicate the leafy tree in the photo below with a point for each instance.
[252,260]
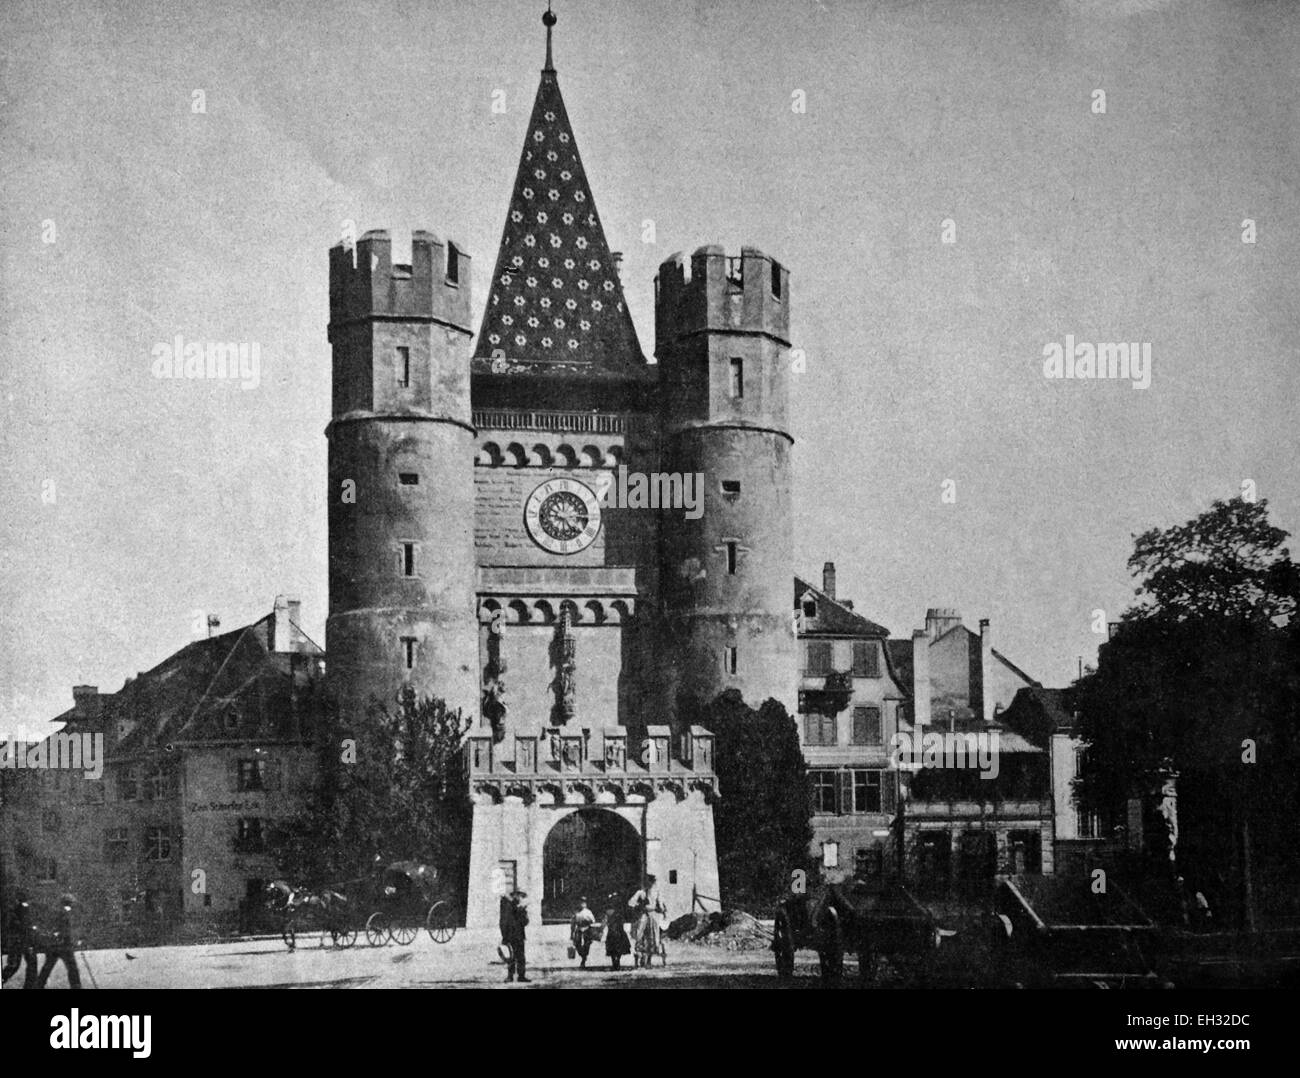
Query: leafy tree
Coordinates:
[762,821]
[1199,684]
[386,789]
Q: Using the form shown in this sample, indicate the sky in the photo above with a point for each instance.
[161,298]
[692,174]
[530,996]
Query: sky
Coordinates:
[129,216]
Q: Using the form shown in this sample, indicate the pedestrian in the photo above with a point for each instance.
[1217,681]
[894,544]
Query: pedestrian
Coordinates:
[1204,921]
[580,930]
[650,910]
[21,939]
[62,946]
[514,921]
[616,942]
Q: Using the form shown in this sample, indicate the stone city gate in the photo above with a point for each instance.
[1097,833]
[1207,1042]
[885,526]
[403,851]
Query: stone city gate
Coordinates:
[592,853]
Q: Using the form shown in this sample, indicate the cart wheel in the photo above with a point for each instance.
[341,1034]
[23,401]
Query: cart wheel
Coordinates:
[347,936]
[405,934]
[377,930]
[438,922]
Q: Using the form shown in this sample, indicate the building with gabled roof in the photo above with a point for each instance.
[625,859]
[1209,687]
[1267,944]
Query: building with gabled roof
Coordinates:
[851,702]
[201,755]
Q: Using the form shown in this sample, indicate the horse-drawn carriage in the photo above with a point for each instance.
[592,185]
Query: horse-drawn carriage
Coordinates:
[868,918]
[404,899]
[396,902]
[302,912]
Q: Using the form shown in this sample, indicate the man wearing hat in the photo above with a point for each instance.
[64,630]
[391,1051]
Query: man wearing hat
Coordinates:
[514,919]
[21,940]
[62,946]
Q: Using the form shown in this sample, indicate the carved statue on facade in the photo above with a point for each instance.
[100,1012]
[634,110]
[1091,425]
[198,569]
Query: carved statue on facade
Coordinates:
[564,659]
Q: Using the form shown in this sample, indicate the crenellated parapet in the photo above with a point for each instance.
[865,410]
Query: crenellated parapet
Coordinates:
[717,292]
[364,282]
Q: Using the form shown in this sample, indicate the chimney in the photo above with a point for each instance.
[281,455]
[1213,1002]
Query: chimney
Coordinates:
[986,669]
[85,698]
[939,619]
[920,679]
[284,636]
[828,580]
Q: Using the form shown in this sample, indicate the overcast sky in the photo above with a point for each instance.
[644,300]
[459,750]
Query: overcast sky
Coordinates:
[924,359]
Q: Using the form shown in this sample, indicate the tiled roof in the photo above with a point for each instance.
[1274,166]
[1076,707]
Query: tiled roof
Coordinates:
[1037,713]
[833,617]
[899,653]
[222,687]
[556,304]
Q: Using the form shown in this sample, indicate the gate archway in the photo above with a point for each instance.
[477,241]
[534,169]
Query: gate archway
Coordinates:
[594,853]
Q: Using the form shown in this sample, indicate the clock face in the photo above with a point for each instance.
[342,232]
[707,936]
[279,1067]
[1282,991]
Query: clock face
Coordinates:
[563,516]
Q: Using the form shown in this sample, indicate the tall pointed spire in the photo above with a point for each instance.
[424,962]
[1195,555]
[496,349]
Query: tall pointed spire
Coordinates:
[556,304]
[548,20]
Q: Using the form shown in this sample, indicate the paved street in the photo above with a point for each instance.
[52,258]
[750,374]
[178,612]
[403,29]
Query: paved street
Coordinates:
[469,960]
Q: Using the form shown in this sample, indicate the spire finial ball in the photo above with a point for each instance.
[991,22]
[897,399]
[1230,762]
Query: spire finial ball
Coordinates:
[548,18]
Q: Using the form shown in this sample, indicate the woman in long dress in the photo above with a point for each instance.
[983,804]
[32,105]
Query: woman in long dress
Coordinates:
[616,942]
[650,908]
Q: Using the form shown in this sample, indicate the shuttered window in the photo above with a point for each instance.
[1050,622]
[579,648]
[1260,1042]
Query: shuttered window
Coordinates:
[866,726]
[820,729]
[866,658]
[818,658]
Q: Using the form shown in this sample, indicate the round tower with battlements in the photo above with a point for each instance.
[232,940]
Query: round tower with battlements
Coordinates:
[722,340]
[401,486]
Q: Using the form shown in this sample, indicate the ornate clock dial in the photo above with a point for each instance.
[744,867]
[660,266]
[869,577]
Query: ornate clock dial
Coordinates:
[563,516]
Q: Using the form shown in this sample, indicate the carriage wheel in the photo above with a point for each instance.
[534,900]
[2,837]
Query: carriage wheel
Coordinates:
[346,936]
[405,934]
[438,922]
[288,934]
[377,929]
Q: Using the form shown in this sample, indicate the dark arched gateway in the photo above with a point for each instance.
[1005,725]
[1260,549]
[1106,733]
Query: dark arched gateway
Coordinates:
[594,853]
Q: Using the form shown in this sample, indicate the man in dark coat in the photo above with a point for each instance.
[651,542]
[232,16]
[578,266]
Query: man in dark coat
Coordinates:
[63,946]
[514,920]
[21,941]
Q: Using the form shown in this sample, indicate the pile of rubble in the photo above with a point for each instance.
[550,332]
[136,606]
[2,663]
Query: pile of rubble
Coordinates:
[733,930]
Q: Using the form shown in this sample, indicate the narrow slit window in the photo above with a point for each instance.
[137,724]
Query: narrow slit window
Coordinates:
[453,264]
[408,479]
[729,659]
[408,651]
[404,367]
[737,377]
[776,280]
[731,559]
[408,559]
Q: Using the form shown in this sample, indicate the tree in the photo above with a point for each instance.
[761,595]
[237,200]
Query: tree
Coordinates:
[1198,686]
[386,787]
[762,821]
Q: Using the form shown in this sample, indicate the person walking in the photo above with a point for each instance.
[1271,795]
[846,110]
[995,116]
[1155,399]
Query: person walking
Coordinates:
[63,946]
[650,909]
[514,922]
[580,929]
[21,939]
[616,942]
